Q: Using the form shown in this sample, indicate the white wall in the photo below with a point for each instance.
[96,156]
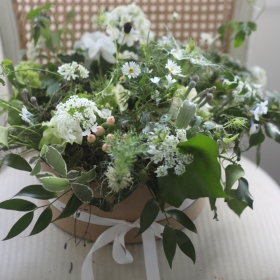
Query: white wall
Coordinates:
[264,51]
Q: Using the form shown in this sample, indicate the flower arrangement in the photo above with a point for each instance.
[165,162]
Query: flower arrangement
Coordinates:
[123,108]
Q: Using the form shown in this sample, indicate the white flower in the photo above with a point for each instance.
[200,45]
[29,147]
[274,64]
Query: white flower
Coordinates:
[253,128]
[260,110]
[161,171]
[206,38]
[117,182]
[263,107]
[179,169]
[173,67]
[131,69]
[120,98]
[26,116]
[128,55]
[170,80]
[96,44]
[155,80]
[72,71]
[256,113]
[73,115]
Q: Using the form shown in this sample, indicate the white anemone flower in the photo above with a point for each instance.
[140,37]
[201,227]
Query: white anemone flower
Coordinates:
[131,69]
[96,44]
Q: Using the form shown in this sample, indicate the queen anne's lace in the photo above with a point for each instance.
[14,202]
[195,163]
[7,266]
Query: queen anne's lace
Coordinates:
[74,113]
[72,71]
[166,152]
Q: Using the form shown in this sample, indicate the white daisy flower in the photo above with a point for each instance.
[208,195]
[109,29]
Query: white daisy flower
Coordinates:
[131,69]
[173,67]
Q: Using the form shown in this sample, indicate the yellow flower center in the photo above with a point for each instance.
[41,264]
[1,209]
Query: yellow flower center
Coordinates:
[130,70]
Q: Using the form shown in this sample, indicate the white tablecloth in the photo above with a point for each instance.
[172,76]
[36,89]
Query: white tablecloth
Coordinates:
[231,249]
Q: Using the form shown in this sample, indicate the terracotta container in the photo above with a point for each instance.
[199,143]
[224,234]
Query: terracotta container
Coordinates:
[128,210]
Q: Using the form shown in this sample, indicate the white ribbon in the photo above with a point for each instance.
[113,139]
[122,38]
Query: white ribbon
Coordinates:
[116,234]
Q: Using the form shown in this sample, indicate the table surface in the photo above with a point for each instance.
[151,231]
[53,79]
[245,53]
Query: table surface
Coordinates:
[232,248]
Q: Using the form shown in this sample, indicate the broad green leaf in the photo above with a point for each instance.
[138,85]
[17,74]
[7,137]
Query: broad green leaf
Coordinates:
[256,138]
[17,205]
[36,191]
[183,219]
[243,194]
[71,207]
[252,25]
[35,12]
[239,38]
[83,192]
[54,184]
[73,174]
[36,34]
[202,175]
[86,177]
[233,173]
[237,206]
[44,149]
[36,169]
[20,225]
[148,215]
[169,243]
[185,114]
[272,131]
[43,221]
[55,160]
[17,162]
[4,132]
[34,159]
[44,174]
[185,244]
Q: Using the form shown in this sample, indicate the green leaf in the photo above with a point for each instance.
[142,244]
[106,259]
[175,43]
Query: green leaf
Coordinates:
[4,132]
[2,82]
[272,131]
[34,13]
[258,155]
[43,221]
[36,191]
[183,219]
[237,206]
[71,207]
[44,174]
[17,205]
[55,160]
[252,25]
[202,175]
[83,192]
[54,184]
[256,138]
[72,174]
[243,194]
[148,215]
[185,114]
[86,177]
[239,38]
[70,15]
[169,243]
[185,244]
[17,162]
[20,225]
[233,173]
[36,34]
[37,168]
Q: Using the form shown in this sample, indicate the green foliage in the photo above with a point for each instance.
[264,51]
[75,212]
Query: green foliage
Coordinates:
[202,176]
[20,225]
[148,215]
[185,245]
[83,192]
[17,205]
[17,162]
[36,191]
[54,184]
[185,114]
[43,221]
[169,243]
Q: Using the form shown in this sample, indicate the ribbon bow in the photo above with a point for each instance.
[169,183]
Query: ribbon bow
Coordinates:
[120,254]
